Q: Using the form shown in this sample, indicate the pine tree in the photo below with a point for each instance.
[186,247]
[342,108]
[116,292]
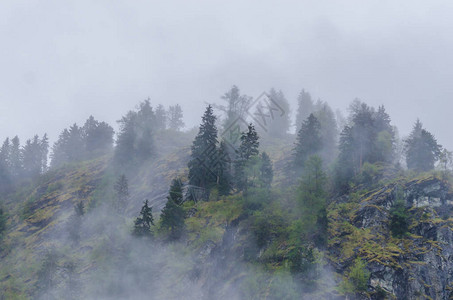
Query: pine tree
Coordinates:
[15,158]
[31,157]
[305,107]
[202,164]
[279,122]
[176,193]
[172,216]
[266,172]
[44,147]
[175,117]
[97,137]
[124,154]
[142,224]
[327,131]
[244,157]
[308,143]
[224,170]
[122,193]
[5,176]
[161,117]
[344,168]
[422,149]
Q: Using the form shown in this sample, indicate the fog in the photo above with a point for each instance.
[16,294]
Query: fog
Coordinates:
[61,62]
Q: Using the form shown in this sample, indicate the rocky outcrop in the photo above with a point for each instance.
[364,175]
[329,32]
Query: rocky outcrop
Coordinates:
[416,266]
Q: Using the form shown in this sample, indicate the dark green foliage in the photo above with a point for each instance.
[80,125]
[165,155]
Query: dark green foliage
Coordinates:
[246,158]
[399,219]
[175,117]
[121,189]
[224,170]
[142,224]
[15,158]
[172,219]
[203,161]
[266,171]
[421,148]
[308,143]
[176,192]
[173,215]
[328,131]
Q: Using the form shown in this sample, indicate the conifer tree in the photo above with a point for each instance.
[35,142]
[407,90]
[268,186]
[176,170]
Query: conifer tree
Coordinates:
[44,152]
[173,215]
[279,121]
[308,143]
[248,150]
[305,107]
[202,164]
[142,224]
[224,170]
[15,158]
[422,149]
[161,117]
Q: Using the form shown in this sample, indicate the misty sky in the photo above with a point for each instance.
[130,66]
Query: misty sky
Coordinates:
[61,61]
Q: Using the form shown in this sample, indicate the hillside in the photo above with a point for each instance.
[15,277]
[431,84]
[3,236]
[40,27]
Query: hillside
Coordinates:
[234,247]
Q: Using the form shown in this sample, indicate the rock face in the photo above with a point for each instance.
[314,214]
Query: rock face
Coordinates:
[417,266]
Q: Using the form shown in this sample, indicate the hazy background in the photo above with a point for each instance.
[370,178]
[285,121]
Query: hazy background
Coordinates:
[61,61]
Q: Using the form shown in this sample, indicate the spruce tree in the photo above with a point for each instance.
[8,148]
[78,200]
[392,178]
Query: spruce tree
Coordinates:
[305,107]
[422,149]
[142,224]
[248,150]
[202,164]
[224,170]
[173,215]
[308,143]
[161,117]
[279,120]
[15,158]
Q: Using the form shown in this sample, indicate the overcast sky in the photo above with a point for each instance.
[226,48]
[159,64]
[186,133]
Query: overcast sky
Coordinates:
[61,61]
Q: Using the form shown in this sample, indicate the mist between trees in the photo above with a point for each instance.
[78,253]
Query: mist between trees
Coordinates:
[246,216]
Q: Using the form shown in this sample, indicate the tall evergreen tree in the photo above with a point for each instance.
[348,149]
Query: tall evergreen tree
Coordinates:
[224,170]
[202,164]
[305,107]
[142,224]
[44,152]
[172,216]
[15,158]
[245,157]
[422,149]
[279,122]
[97,137]
[161,117]
[308,142]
